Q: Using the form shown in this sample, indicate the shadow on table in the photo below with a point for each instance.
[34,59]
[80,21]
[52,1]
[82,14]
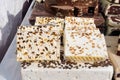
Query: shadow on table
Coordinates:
[8,32]
[10,29]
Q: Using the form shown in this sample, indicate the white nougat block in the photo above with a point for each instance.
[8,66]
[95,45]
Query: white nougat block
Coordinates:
[38,43]
[75,23]
[33,72]
[59,22]
[83,42]
[84,46]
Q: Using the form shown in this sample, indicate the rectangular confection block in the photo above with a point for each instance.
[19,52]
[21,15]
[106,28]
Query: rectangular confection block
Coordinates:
[85,46]
[75,23]
[38,43]
[59,22]
[83,41]
[97,21]
[68,71]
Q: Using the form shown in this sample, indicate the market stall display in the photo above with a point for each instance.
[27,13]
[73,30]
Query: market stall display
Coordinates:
[64,65]
[66,69]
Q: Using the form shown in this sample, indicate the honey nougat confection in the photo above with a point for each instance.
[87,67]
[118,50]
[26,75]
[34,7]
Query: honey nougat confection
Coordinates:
[59,22]
[85,46]
[79,20]
[67,71]
[49,20]
[76,23]
[38,43]
[83,41]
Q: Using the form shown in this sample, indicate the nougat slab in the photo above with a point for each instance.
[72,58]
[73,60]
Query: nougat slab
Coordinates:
[83,41]
[76,23]
[58,22]
[38,43]
[86,46]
